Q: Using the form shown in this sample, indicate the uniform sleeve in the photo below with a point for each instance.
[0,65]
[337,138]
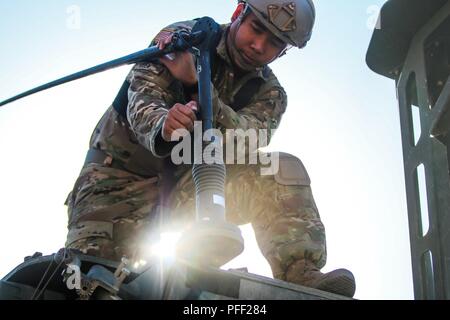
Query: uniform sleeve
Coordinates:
[264,111]
[150,96]
[149,100]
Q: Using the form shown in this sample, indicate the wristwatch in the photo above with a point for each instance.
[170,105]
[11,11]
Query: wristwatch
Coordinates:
[190,90]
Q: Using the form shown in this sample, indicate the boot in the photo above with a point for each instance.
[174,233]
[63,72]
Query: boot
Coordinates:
[305,273]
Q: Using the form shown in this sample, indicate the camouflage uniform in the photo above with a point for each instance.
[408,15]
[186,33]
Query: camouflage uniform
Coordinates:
[112,205]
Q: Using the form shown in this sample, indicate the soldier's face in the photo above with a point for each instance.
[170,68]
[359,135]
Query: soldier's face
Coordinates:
[254,44]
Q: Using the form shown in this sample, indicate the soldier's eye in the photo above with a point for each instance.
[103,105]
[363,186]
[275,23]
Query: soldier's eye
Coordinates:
[256,29]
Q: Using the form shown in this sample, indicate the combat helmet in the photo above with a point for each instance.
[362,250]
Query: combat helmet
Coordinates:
[290,20]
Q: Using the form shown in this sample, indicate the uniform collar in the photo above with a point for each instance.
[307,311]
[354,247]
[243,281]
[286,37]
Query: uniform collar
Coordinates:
[222,51]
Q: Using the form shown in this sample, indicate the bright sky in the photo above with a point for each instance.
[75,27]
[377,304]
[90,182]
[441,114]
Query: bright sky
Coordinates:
[342,121]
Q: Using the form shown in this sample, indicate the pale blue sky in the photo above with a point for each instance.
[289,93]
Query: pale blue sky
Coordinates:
[342,121]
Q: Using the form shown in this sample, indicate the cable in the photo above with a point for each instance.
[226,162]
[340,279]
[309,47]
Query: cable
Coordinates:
[52,275]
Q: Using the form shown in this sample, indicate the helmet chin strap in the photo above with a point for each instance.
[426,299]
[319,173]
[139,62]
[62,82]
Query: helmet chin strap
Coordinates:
[231,48]
[283,52]
[241,11]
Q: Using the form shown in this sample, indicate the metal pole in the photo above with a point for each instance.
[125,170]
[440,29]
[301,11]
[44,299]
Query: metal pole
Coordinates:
[211,240]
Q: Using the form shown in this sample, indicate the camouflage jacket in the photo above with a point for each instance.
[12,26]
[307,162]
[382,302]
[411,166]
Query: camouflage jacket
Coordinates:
[136,142]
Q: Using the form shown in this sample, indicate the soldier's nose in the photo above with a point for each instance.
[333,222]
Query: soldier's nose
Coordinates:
[258,45]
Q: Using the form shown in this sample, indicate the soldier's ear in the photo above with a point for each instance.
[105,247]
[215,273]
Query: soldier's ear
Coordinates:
[239,9]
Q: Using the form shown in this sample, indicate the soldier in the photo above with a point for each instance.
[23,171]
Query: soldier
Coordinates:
[128,175]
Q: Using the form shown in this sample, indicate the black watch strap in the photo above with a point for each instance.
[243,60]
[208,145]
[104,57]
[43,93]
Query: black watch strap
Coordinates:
[190,90]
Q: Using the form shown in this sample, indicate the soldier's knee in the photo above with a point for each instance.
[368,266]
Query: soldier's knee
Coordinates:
[93,238]
[294,196]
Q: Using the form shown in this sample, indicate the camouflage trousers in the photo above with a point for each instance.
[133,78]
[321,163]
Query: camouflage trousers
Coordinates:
[112,212]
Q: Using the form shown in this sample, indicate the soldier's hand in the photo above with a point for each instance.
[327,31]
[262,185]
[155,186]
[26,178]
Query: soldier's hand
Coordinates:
[180,116]
[180,64]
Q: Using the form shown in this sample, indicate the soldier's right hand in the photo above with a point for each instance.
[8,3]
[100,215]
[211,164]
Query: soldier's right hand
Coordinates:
[180,64]
[180,116]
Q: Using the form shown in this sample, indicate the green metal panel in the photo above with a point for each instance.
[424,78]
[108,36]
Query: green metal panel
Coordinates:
[413,47]
[423,81]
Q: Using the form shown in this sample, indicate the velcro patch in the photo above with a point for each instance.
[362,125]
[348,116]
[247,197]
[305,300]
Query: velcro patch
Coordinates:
[292,172]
